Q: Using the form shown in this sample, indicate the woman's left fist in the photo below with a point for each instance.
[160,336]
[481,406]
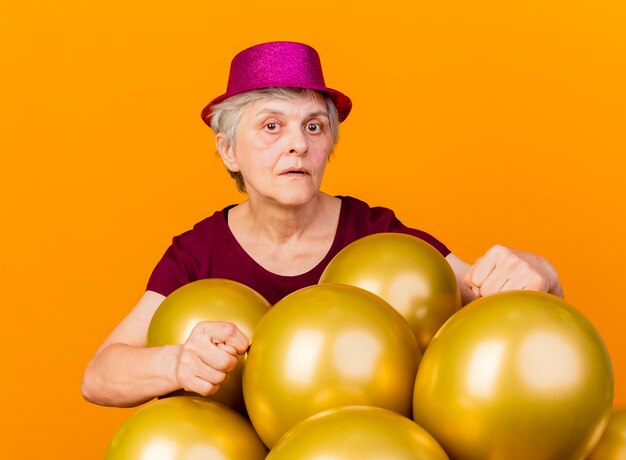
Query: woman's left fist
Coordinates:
[506,269]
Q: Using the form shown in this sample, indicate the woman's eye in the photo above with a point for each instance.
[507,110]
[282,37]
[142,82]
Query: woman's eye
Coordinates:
[313,127]
[271,126]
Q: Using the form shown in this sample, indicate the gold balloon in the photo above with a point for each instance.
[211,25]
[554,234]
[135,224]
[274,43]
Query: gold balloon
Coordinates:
[357,432]
[612,445]
[327,346]
[518,375]
[209,300]
[411,275]
[185,428]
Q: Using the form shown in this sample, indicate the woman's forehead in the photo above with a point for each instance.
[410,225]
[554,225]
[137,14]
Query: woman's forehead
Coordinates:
[297,106]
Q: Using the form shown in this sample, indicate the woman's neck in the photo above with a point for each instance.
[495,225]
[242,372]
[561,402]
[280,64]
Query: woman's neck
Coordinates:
[279,224]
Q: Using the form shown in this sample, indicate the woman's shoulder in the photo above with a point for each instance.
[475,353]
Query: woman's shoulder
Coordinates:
[356,208]
[360,219]
[210,228]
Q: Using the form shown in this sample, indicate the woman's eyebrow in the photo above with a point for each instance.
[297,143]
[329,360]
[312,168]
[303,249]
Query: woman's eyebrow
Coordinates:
[320,113]
[271,111]
[268,111]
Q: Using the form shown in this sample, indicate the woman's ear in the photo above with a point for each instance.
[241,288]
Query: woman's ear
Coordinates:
[227,152]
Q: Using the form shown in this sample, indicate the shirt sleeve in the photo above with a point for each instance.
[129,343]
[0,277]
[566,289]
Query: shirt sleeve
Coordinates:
[174,269]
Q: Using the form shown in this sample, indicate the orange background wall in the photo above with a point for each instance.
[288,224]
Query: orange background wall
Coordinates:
[482,122]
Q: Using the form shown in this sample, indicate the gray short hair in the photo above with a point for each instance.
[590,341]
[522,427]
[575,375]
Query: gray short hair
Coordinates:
[225,116]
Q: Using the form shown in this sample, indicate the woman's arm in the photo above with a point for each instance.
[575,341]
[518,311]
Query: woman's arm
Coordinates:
[504,269]
[125,372]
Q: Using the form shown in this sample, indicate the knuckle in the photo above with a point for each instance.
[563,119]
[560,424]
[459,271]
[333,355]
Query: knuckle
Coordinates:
[500,252]
[536,281]
[198,328]
[233,363]
[229,328]
[202,328]
[196,335]
[517,263]
[223,362]
[512,262]
[217,379]
[205,388]
[497,249]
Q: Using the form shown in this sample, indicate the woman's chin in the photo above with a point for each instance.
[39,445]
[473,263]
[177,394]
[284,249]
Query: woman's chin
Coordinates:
[295,198]
[287,194]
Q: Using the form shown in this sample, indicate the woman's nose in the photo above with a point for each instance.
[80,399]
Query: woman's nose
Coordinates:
[297,142]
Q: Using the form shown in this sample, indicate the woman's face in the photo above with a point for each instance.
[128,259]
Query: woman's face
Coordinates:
[281,148]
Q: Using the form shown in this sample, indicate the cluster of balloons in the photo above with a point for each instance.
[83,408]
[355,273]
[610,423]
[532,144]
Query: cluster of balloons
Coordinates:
[379,361]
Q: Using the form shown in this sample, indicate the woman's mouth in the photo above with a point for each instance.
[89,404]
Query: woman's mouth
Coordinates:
[295,172]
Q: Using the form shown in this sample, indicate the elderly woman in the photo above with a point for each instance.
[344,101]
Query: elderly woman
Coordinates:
[275,128]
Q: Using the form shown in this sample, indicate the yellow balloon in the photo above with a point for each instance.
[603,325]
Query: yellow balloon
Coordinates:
[612,445]
[327,346]
[411,275]
[357,432]
[185,428]
[518,375]
[209,300]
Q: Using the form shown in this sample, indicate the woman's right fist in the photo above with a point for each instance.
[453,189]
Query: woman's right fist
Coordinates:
[208,355]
